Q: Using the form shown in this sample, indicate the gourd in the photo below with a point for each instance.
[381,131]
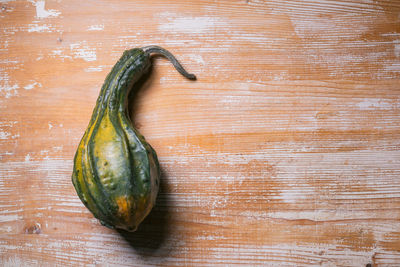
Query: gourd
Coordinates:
[116,172]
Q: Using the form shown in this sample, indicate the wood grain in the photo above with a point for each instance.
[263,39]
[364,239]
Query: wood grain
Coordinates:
[284,152]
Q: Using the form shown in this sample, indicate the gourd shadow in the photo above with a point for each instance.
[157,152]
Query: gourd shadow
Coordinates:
[148,240]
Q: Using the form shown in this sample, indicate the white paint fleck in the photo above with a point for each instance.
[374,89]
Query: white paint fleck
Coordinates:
[44,152]
[391,34]
[230,99]
[198,59]
[82,50]
[98,27]
[59,53]
[58,148]
[188,24]
[6,87]
[280,76]
[6,153]
[41,12]
[163,79]
[52,171]
[93,69]
[73,210]
[8,123]
[27,158]
[4,135]
[291,196]
[9,217]
[38,28]
[56,52]
[8,61]
[50,126]
[32,85]
[373,104]
[9,90]
[397,48]
[73,202]
[395,67]
[7,229]
[15,260]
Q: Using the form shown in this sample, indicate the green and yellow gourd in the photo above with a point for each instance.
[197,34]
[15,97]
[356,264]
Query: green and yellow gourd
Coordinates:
[116,172]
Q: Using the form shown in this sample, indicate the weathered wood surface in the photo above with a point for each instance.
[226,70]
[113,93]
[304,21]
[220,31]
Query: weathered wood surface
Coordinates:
[285,152]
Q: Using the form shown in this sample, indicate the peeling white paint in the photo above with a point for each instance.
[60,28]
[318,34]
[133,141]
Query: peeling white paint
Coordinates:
[373,104]
[15,261]
[4,135]
[322,35]
[38,28]
[8,123]
[50,126]
[93,69]
[63,53]
[291,196]
[394,67]
[10,90]
[6,229]
[82,50]
[72,210]
[197,58]
[397,48]
[32,85]
[42,13]
[58,148]
[8,61]
[6,87]
[98,27]
[27,158]
[190,25]
[59,53]
[163,79]
[6,153]
[7,136]
[9,217]
[53,170]
[56,52]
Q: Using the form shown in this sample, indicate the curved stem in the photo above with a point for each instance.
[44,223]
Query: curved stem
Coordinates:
[159,50]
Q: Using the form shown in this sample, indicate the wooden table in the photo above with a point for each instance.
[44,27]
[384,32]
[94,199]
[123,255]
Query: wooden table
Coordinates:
[284,152]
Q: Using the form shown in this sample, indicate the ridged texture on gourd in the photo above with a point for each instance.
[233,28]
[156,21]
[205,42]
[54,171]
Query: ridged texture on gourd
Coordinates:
[116,172]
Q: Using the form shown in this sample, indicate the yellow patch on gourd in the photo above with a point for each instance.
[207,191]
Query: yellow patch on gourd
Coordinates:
[125,207]
[106,131]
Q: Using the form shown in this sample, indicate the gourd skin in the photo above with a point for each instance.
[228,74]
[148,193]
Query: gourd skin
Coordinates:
[116,172]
